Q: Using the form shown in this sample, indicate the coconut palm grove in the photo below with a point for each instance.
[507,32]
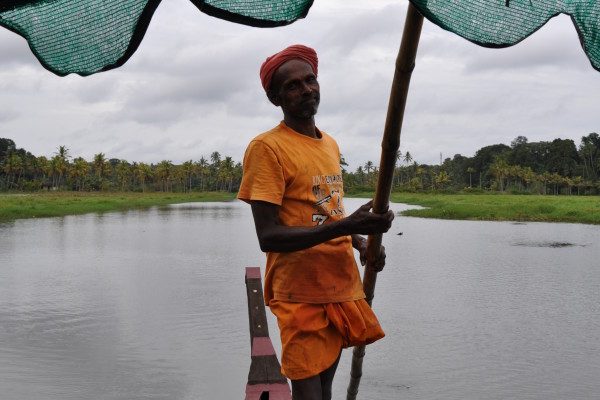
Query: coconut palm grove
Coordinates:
[557,167]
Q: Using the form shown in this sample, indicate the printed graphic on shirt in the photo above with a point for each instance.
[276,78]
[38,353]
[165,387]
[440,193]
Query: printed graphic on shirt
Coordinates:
[326,190]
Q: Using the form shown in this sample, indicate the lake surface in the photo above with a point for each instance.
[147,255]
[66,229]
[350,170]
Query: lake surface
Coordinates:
[152,305]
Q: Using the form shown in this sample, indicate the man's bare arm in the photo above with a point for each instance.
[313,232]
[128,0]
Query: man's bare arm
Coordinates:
[274,237]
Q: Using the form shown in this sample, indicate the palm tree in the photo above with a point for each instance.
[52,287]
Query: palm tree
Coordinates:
[144,172]
[397,169]
[133,169]
[361,174]
[12,166]
[226,172]
[59,168]
[102,168]
[99,165]
[30,166]
[123,172]
[215,159]
[343,163]
[500,169]
[545,177]
[415,167]
[408,158]
[556,179]
[42,167]
[189,169]
[470,170]
[78,171]
[589,150]
[369,166]
[63,163]
[238,172]
[442,179]
[63,152]
[528,176]
[163,172]
[178,175]
[202,170]
[419,174]
[516,171]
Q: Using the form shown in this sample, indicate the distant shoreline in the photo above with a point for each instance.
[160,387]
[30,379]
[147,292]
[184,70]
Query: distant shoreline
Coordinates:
[58,204]
[503,207]
[480,207]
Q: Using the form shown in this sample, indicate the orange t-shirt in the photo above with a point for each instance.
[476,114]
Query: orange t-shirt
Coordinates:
[302,175]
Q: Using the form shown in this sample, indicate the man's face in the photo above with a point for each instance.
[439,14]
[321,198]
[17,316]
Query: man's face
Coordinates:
[295,89]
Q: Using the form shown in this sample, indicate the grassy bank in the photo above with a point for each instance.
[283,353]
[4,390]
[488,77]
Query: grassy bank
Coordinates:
[489,207]
[499,207]
[56,204]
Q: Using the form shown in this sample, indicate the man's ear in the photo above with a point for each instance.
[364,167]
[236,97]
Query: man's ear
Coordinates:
[273,98]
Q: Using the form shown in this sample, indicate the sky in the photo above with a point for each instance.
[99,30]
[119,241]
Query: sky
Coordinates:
[193,88]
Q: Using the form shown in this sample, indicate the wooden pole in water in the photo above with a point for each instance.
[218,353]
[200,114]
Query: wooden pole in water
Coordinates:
[405,63]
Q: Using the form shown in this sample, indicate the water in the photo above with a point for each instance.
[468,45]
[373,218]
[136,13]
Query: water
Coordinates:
[151,305]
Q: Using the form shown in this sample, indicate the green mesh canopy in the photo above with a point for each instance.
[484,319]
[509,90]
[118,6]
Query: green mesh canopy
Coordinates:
[503,23]
[89,36]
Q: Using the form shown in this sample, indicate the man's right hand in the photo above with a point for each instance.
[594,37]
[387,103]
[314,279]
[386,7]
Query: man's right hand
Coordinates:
[365,222]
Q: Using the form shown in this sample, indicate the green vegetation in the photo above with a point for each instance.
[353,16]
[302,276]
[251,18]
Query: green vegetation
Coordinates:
[469,206]
[21,171]
[544,181]
[54,204]
[503,207]
[558,167]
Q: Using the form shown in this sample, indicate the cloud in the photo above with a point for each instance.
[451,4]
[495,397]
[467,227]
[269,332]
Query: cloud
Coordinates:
[15,51]
[371,28]
[193,88]
[555,46]
[8,115]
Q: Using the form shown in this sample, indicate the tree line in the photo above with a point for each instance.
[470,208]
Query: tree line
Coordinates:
[555,167]
[22,171]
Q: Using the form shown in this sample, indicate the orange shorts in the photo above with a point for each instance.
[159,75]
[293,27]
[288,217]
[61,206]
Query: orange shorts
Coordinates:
[312,335]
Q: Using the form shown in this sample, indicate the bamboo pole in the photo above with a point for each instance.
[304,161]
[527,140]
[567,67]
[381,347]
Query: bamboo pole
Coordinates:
[405,63]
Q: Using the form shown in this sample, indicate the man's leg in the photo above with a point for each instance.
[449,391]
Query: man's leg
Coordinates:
[316,387]
[327,379]
[307,389]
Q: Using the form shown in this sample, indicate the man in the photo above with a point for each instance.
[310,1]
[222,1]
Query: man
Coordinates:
[293,182]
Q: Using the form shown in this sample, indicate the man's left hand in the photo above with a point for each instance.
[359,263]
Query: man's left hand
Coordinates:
[360,244]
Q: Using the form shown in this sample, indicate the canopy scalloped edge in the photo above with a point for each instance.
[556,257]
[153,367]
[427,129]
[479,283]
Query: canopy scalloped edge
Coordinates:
[504,23]
[89,36]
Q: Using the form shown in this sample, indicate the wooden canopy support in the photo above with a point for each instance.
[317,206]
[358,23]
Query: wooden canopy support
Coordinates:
[265,381]
[405,63]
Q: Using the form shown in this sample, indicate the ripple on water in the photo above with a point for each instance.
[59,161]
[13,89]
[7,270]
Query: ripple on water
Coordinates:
[549,244]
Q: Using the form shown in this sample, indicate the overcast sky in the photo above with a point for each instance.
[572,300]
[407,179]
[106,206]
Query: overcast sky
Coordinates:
[193,88]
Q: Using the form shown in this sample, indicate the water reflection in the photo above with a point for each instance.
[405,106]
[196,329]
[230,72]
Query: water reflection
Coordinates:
[151,305]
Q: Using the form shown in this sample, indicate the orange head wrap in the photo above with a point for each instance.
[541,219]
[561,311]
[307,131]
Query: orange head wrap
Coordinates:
[296,51]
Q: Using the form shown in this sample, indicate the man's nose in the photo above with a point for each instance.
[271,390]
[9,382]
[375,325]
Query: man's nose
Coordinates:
[306,88]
